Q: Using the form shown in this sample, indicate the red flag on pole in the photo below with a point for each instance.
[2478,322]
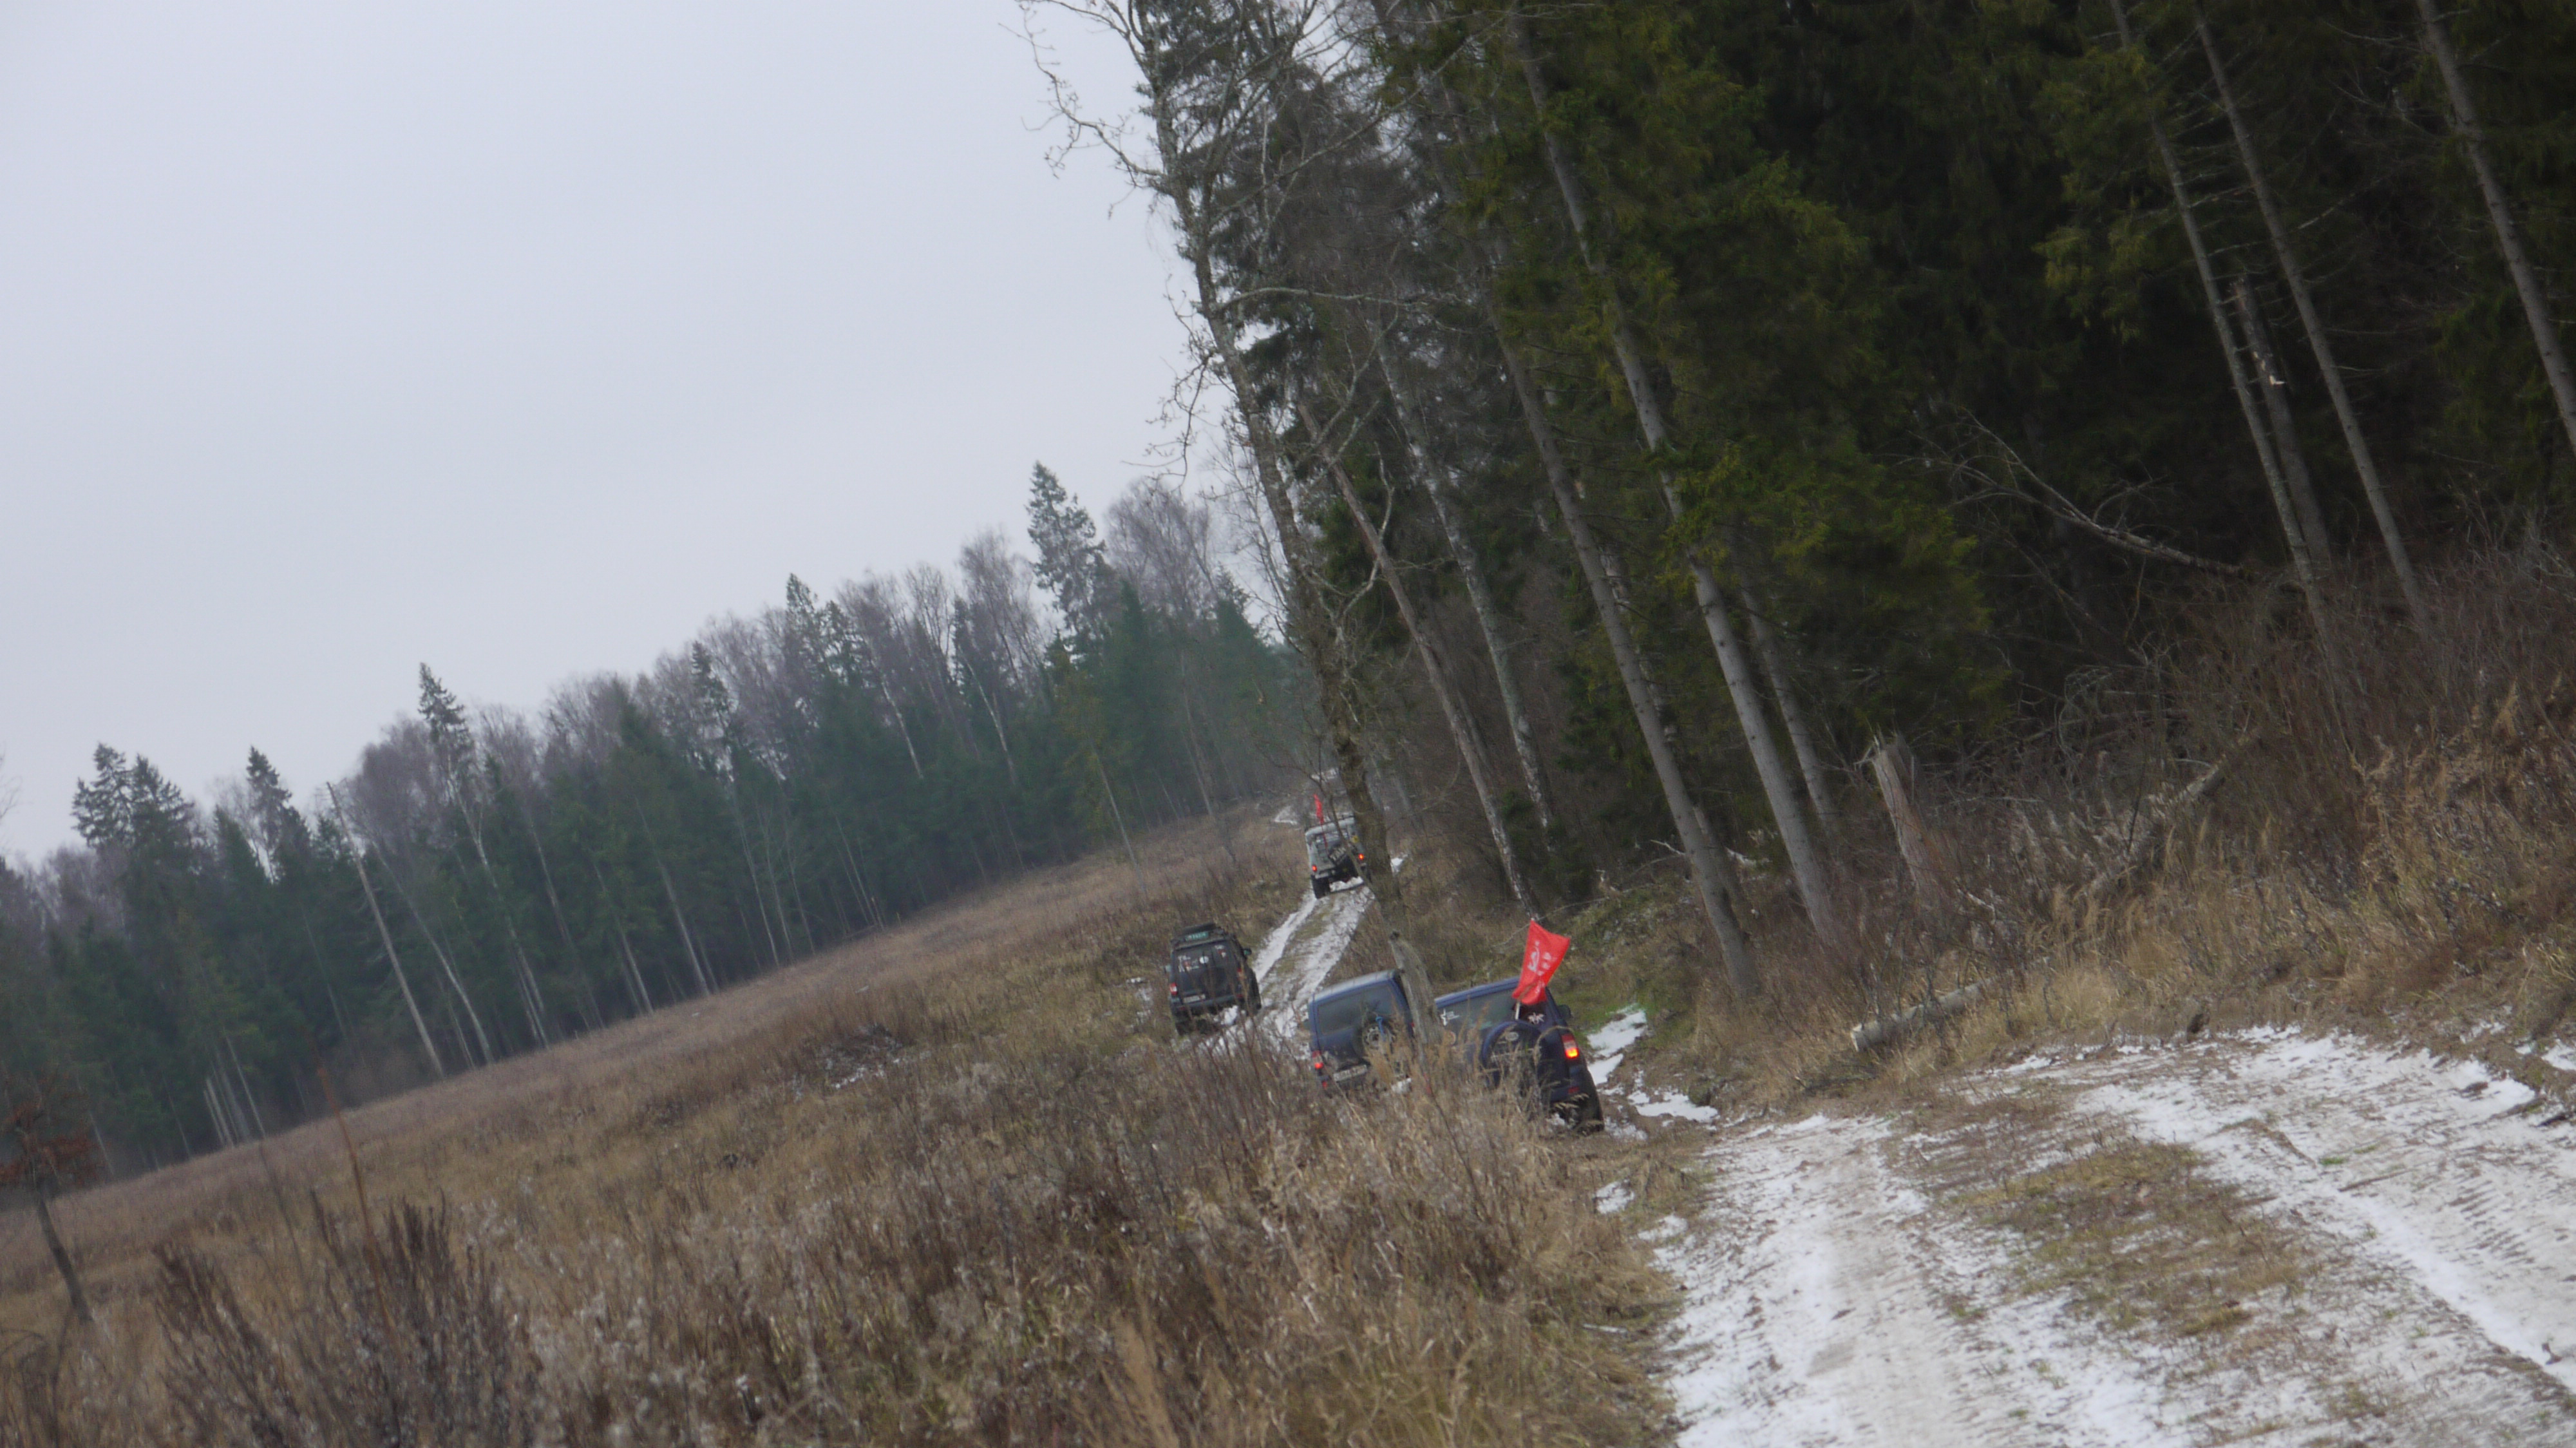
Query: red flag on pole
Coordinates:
[1539,960]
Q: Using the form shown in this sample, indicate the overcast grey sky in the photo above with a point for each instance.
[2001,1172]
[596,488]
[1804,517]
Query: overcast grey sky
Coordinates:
[515,337]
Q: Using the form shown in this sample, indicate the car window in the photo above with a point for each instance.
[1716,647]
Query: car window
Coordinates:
[1480,1012]
[1356,1010]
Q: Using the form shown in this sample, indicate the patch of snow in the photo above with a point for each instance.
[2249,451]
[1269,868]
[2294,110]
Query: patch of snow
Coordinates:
[1297,981]
[1613,1198]
[1610,1043]
[1275,944]
[2425,1172]
[2562,1056]
[1828,1303]
[1676,1105]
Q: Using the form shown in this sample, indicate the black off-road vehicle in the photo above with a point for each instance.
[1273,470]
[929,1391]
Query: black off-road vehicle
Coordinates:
[1542,1058]
[1209,973]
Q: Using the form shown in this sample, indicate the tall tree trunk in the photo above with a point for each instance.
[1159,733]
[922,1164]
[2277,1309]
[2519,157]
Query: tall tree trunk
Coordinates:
[1308,621]
[215,1116]
[1461,732]
[1110,793]
[2284,504]
[2363,460]
[1710,876]
[849,857]
[688,943]
[902,727]
[1190,737]
[1802,739]
[2274,382]
[241,1078]
[643,994]
[1711,880]
[61,1255]
[454,982]
[358,856]
[531,1000]
[1806,864]
[546,872]
[2526,281]
[2303,566]
[1480,600]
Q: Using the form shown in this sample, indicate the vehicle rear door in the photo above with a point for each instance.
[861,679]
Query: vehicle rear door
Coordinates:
[1201,971]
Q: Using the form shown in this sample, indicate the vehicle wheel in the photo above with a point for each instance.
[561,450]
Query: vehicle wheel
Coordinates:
[1252,998]
[1587,1115]
[1323,887]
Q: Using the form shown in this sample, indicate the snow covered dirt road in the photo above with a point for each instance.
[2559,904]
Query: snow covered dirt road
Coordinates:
[1830,1303]
[2266,1238]
[1293,961]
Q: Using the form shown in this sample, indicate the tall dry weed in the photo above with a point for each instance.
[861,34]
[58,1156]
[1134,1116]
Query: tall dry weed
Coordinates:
[994,1202]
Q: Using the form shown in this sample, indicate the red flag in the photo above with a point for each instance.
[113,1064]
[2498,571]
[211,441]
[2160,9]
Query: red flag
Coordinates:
[1539,960]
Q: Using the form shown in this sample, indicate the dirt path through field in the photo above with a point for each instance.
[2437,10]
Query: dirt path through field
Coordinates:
[2265,1238]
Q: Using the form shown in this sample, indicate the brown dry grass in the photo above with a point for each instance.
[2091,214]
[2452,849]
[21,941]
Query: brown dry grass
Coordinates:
[955,1184]
[2388,852]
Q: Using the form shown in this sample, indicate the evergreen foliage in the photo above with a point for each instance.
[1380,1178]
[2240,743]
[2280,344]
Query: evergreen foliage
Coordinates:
[777,785]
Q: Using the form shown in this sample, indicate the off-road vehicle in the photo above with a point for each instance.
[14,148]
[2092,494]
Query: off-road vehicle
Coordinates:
[1543,1058]
[1347,1022]
[1209,973]
[1333,854]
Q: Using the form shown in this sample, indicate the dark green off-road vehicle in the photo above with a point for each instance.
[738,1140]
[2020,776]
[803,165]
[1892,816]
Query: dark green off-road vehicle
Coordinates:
[1209,973]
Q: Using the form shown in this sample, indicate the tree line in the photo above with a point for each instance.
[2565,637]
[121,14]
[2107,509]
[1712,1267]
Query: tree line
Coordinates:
[487,882]
[1654,404]
[1647,407]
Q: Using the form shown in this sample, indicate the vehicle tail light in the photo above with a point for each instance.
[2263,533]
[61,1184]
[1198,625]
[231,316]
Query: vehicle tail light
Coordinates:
[1176,987]
[1319,1062]
[1573,1052]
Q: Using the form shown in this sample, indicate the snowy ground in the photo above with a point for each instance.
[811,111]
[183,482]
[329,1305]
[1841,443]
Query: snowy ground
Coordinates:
[1841,1288]
[1293,960]
[1299,954]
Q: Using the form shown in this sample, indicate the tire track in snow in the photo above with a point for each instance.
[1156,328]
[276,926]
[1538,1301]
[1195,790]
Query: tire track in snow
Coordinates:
[2428,1175]
[1828,1303]
[1297,980]
[1286,983]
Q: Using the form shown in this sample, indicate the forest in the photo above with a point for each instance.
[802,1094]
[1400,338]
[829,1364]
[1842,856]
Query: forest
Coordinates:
[1652,413]
[486,883]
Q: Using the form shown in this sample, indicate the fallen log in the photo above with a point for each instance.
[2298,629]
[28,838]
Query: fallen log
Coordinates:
[1869,1035]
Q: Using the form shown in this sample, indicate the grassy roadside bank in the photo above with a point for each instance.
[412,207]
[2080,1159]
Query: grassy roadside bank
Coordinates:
[963,1194]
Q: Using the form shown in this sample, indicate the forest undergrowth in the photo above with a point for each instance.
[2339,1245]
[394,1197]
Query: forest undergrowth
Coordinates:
[2247,830]
[980,1198]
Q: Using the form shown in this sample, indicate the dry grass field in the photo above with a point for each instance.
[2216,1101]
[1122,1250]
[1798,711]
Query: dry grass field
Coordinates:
[955,1183]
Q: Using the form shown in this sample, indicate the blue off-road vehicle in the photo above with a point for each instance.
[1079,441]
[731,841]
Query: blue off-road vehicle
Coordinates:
[1344,1024]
